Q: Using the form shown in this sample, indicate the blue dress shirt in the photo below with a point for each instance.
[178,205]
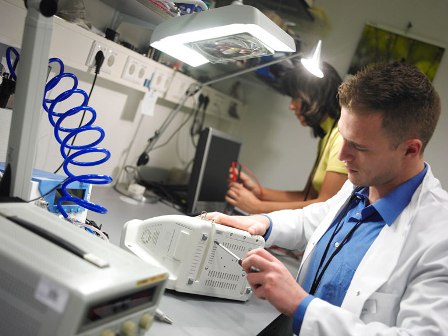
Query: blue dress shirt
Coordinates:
[370,219]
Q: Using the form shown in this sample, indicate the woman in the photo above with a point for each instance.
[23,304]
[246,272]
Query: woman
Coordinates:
[314,102]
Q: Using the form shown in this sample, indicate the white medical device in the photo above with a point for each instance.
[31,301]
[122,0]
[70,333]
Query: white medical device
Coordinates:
[58,280]
[185,247]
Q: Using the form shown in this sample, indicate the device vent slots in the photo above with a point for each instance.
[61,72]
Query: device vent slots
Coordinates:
[15,322]
[223,275]
[184,225]
[150,236]
[212,256]
[220,284]
[20,290]
[235,247]
[197,258]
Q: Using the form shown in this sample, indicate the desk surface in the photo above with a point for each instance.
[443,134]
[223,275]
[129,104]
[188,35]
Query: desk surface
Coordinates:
[121,209]
[193,315]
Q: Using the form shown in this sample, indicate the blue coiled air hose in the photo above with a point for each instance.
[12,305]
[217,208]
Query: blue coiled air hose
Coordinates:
[56,119]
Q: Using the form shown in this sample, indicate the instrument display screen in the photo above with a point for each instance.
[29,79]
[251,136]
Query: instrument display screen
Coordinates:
[112,307]
[78,193]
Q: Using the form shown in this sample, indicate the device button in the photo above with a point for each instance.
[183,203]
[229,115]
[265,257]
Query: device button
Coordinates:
[129,328]
[146,321]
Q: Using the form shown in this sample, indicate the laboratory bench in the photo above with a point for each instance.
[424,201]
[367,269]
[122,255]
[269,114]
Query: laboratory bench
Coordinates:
[193,315]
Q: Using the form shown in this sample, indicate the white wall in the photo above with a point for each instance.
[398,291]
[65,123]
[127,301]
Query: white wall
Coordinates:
[429,22]
[276,148]
[279,149]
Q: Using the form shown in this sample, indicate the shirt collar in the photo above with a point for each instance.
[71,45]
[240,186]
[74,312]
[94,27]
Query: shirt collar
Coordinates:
[391,205]
[327,124]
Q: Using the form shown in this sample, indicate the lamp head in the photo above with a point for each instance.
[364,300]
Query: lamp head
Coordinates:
[220,35]
[312,64]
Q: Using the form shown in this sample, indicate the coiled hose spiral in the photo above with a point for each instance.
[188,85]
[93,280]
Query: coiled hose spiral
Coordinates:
[64,134]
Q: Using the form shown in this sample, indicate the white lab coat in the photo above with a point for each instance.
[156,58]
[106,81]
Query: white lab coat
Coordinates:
[401,284]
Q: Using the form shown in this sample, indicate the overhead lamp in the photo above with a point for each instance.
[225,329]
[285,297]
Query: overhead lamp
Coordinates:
[312,64]
[220,35]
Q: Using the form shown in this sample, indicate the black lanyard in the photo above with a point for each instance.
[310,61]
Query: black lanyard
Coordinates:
[318,276]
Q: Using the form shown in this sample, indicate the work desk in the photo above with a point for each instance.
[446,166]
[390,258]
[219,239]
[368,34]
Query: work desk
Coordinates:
[193,315]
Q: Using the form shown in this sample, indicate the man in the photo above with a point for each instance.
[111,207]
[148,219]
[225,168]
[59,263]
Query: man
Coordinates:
[375,260]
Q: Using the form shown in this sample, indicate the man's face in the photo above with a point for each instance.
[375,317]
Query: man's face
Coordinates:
[369,156]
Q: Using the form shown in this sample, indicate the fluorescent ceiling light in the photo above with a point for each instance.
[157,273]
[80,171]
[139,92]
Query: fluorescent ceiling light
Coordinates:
[312,64]
[221,35]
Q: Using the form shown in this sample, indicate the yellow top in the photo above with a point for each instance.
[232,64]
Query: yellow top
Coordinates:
[328,147]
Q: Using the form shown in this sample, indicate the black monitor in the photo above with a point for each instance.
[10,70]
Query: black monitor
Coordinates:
[210,173]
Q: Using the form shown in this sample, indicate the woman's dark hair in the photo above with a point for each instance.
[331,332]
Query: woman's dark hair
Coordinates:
[318,95]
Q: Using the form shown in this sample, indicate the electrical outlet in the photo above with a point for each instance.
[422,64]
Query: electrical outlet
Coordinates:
[109,61]
[160,81]
[135,71]
[109,57]
[90,62]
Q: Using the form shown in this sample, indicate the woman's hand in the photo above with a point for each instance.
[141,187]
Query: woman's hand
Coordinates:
[239,196]
[247,182]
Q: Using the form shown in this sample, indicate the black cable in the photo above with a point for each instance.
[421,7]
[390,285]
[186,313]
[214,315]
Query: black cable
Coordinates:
[49,191]
[93,223]
[192,137]
[194,125]
[172,202]
[198,124]
[318,276]
[204,109]
[99,60]
[174,133]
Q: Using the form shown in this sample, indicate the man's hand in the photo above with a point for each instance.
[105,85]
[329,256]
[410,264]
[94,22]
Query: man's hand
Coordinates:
[274,282]
[239,196]
[255,225]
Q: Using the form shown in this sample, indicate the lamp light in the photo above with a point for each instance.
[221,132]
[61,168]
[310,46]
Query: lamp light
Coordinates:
[220,35]
[312,64]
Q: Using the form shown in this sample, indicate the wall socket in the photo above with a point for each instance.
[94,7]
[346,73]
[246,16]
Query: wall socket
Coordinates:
[160,81]
[109,57]
[135,71]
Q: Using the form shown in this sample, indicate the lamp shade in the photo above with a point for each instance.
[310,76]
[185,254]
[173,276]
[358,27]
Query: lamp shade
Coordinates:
[312,64]
[221,35]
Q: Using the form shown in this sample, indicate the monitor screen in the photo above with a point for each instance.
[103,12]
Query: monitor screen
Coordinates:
[209,177]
